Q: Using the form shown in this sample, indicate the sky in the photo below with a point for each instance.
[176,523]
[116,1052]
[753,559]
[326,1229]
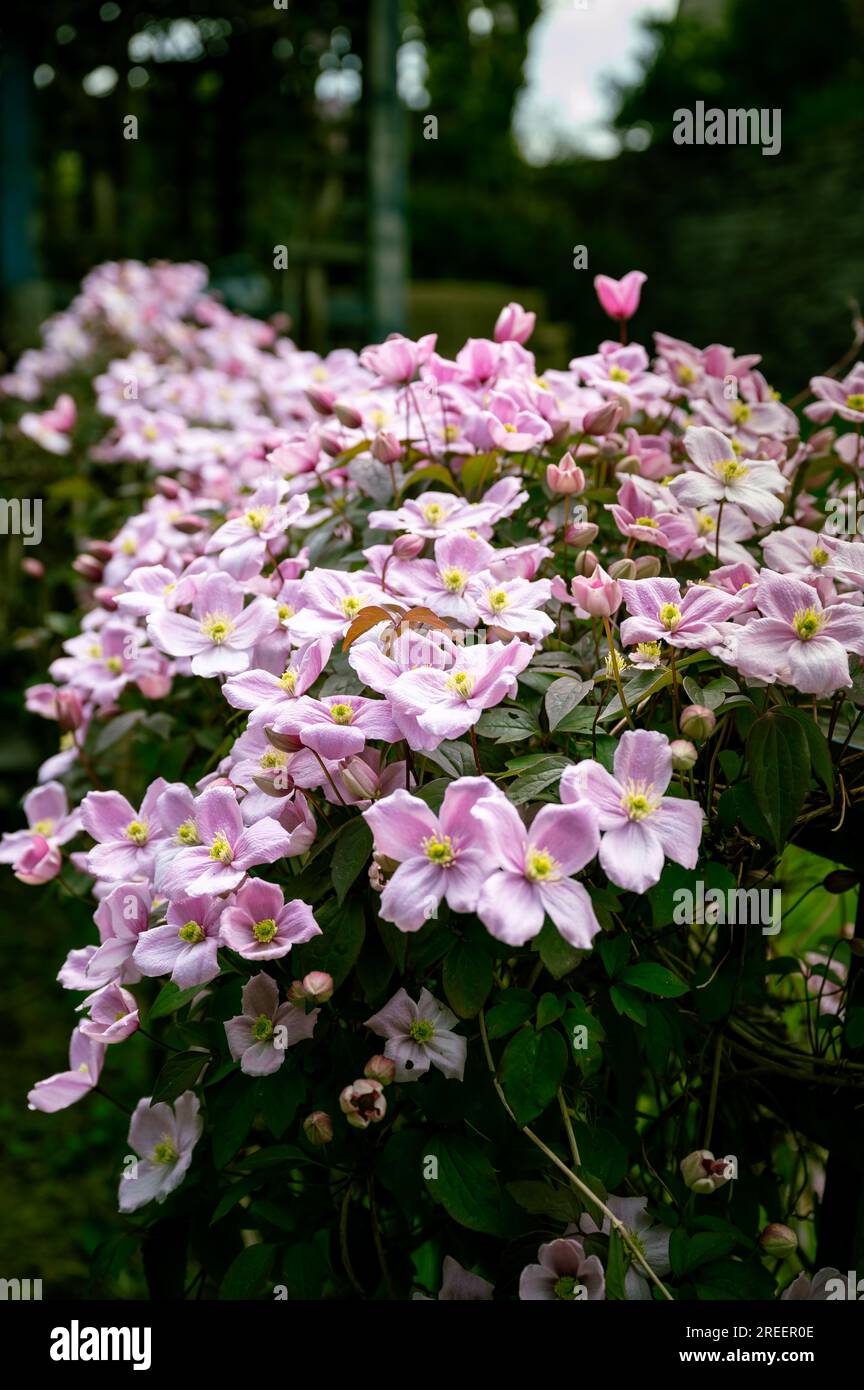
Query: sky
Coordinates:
[574,49]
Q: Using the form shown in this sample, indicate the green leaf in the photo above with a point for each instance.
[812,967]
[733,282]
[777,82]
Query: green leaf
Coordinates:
[558,956]
[628,1003]
[549,1010]
[507,723]
[542,1199]
[353,848]
[170,999]
[532,1069]
[534,780]
[233,1112]
[179,1074]
[467,977]
[117,728]
[820,752]
[477,471]
[247,1273]
[279,1096]
[778,759]
[431,472]
[336,950]
[509,1014]
[563,696]
[465,1183]
[687,1253]
[654,979]
[613,951]
[616,1268]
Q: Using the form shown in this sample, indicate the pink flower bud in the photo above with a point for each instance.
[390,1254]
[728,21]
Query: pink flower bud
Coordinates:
[599,595]
[70,712]
[100,550]
[604,420]
[408,547]
[39,862]
[106,598]
[318,1128]
[88,567]
[364,1104]
[320,401]
[347,415]
[581,533]
[277,783]
[620,298]
[167,487]
[647,567]
[381,1069]
[778,1240]
[316,987]
[622,569]
[35,568]
[586,563]
[331,444]
[514,324]
[565,477]
[154,687]
[189,524]
[704,1173]
[697,721]
[684,754]
[360,780]
[286,743]
[385,447]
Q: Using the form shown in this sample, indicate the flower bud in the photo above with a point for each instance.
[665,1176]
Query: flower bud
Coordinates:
[347,415]
[88,567]
[604,420]
[841,881]
[684,754]
[106,598]
[586,564]
[320,401]
[276,783]
[385,447]
[363,1103]
[629,465]
[100,550]
[286,743]
[647,567]
[622,569]
[318,1127]
[331,444]
[697,721]
[70,712]
[581,533]
[39,862]
[316,987]
[565,477]
[360,780]
[599,595]
[514,324]
[167,487]
[35,568]
[704,1173]
[188,524]
[381,1069]
[408,547]
[778,1240]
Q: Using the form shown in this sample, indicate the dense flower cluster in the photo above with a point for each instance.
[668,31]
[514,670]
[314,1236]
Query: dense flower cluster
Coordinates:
[374,575]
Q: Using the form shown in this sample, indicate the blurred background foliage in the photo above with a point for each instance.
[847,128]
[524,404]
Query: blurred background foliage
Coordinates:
[258,127]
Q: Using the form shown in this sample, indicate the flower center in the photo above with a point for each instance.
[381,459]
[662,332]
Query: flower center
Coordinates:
[807,622]
[685,374]
[670,616]
[43,827]
[341,714]
[441,851]
[568,1288]
[187,833]
[731,470]
[433,512]
[165,1152]
[351,605]
[855,401]
[288,680]
[462,682]
[705,523]
[274,757]
[498,600]
[619,374]
[136,831]
[741,413]
[221,849]
[217,626]
[192,933]
[639,800]
[262,1028]
[646,521]
[265,930]
[421,1030]
[256,518]
[114,664]
[454,579]
[284,612]
[819,556]
[649,651]
[540,867]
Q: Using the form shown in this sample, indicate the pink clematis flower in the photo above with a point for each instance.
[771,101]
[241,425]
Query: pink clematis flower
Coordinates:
[797,640]
[186,946]
[260,925]
[565,1272]
[419,1036]
[534,870]
[653,1240]
[164,1139]
[38,862]
[660,614]
[514,324]
[445,704]
[219,636]
[121,918]
[243,541]
[513,605]
[718,475]
[641,827]
[443,856]
[34,853]
[113,1014]
[397,360]
[459,1285]
[65,1087]
[128,839]
[218,864]
[620,298]
[844,398]
[337,726]
[258,1037]
[266,694]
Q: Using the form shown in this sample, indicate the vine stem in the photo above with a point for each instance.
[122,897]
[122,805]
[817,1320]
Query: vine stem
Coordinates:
[343,1242]
[614,1222]
[715,1087]
[571,1137]
[613,662]
[476,751]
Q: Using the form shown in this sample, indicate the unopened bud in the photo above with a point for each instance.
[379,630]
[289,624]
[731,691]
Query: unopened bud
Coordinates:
[70,712]
[581,533]
[88,567]
[647,567]
[316,987]
[277,783]
[318,1127]
[629,465]
[320,401]
[586,564]
[778,1240]
[684,754]
[188,524]
[697,721]
[100,550]
[841,881]
[35,568]
[360,780]
[167,487]
[381,1069]
[622,569]
[347,415]
[331,444]
[408,547]
[385,447]
[286,743]
[565,477]
[604,420]
[106,598]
